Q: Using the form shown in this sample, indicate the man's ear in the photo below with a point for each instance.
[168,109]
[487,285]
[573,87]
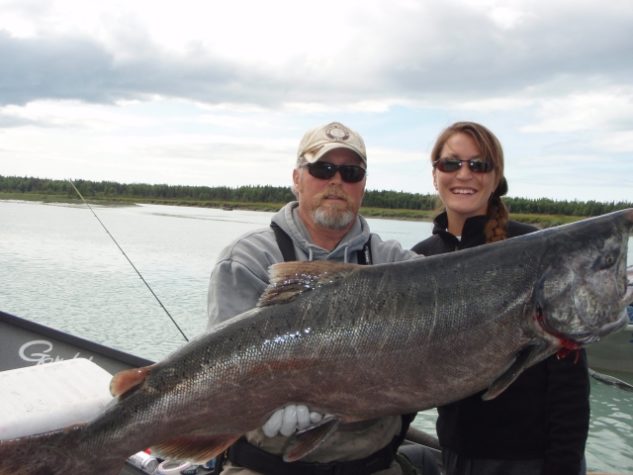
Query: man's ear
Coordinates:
[296,174]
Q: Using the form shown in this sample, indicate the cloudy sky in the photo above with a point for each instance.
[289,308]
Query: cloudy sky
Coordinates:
[220,93]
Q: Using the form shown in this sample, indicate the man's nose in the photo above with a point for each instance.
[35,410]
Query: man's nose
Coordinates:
[337,178]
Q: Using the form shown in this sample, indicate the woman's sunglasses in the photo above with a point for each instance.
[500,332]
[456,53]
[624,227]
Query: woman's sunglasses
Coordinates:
[450,165]
[326,170]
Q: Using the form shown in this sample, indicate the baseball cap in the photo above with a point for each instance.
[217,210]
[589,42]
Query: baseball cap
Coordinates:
[320,140]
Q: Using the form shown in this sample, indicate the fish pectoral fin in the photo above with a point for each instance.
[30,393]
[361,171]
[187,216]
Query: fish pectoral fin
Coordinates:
[524,359]
[308,440]
[128,379]
[195,448]
[290,279]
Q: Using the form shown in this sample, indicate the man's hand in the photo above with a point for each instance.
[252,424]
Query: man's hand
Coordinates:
[290,419]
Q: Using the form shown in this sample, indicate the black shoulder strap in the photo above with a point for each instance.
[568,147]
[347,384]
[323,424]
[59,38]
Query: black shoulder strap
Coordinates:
[287,248]
[364,255]
[284,242]
[407,419]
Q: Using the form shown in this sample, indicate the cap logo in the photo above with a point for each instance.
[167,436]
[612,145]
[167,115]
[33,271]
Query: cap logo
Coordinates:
[337,132]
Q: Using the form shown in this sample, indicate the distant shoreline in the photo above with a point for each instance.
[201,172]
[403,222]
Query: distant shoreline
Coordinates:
[541,220]
[400,205]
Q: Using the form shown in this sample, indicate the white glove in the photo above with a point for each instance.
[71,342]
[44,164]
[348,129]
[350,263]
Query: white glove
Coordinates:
[290,419]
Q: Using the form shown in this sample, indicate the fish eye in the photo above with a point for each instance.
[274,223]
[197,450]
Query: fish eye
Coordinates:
[606,261]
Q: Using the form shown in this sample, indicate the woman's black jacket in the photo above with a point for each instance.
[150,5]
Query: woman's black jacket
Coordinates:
[543,414]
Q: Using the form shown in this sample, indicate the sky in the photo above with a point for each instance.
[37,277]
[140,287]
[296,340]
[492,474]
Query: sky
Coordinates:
[220,93]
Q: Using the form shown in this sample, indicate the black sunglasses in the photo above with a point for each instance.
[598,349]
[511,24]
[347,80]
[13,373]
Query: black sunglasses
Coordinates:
[450,165]
[326,170]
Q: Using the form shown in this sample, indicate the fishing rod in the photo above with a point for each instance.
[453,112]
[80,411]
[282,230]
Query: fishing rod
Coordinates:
[128,259]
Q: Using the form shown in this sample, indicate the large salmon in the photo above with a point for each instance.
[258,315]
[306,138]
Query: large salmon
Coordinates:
[358,342]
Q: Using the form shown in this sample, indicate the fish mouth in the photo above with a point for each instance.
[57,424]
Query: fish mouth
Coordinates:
[615,326]
[588,337]
[577,340]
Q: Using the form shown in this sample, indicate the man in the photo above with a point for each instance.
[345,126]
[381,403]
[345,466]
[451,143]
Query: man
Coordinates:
[323,224]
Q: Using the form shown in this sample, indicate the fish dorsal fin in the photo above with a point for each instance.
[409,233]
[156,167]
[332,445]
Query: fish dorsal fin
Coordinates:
[125,381]
[524,359]
[198,448]
[308,440]
[290,279]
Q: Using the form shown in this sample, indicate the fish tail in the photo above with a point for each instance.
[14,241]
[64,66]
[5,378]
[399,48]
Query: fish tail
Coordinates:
[48,453]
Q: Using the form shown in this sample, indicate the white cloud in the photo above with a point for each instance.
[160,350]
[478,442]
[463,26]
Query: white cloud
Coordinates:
[281,51]
[506,17]
[611,107]
[492,104]
[76,115]
[196,91]
[617,142]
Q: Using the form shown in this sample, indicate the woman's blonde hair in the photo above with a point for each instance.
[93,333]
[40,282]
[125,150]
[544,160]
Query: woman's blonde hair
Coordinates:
[490,150]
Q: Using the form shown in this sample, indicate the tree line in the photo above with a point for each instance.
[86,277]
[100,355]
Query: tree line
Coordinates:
[110,190]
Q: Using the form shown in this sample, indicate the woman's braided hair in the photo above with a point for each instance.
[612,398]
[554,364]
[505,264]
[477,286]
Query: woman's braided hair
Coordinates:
[491,150]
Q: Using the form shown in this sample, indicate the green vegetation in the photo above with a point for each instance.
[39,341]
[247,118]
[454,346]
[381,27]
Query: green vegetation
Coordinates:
[384,204]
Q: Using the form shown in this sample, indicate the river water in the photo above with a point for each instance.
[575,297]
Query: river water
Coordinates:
[60,268]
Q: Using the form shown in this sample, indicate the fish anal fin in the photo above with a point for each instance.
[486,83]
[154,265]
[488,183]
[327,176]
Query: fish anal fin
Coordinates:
[524,359]
[195,448]
[128,379]
[290,279]
[306,441]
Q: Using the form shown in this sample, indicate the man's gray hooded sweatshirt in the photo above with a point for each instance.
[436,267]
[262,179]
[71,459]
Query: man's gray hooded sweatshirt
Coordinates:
[240,275]
[239,278]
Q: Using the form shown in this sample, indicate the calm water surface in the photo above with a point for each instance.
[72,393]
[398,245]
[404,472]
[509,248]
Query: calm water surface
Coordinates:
[60,268]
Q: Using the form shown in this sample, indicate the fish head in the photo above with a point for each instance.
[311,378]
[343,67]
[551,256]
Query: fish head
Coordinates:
[583,292]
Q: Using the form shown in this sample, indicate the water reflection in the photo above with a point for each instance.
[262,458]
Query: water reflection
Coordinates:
[61,269]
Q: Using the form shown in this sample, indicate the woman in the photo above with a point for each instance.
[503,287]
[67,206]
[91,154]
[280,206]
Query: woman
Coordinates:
[539,424]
